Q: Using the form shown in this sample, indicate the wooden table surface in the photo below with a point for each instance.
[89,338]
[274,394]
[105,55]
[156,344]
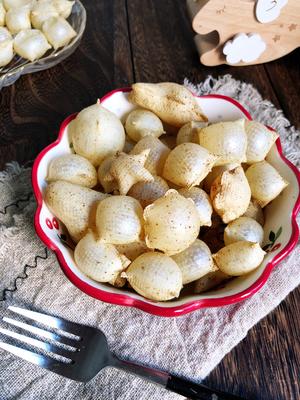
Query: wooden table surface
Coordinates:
[152,41]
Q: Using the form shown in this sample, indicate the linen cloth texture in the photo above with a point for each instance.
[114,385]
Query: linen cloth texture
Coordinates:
[189,346]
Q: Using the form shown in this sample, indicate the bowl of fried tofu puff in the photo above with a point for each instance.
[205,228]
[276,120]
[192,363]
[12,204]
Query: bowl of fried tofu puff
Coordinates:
[162,200]
[37,34]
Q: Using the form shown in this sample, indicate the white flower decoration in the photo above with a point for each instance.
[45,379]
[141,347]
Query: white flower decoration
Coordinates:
[268,10]
[244,48]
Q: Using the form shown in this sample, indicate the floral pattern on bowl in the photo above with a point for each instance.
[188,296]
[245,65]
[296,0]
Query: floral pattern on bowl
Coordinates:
[280,220]
[62,233]
[271,246]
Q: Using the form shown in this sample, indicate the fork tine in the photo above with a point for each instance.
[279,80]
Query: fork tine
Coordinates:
[42,332]
[37,343]
[64,369]
[54,322]
[30,356]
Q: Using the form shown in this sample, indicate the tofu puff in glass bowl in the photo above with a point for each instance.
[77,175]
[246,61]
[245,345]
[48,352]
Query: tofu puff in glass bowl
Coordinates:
[36,35]
[128,230]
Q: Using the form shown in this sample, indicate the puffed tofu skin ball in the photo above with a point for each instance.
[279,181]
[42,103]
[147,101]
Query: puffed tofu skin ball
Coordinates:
[230,194]
[2,15]
[6,47]
[155,276]
[255,211]
[99,261]
[119,220]
[195,261]
[63,7]
[58,32]
[239,258]
[18,19]
[40,12]
[9,4]
[72,168]
[172,223]
[215,172]
[227,140]
[158,154]
[259,141]
[97,133]
[188,164]
[171,102]
[129,145]
[243,228]
[118,282]
[103,170]
[265,182]
[132,250]
[141,123]
[74,205]
[31,44]
[128,170]
[202,203]
[188,133]
[210,281]
[147,192]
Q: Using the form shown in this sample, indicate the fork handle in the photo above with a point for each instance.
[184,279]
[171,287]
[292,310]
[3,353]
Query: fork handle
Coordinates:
[170,382]
[196,392]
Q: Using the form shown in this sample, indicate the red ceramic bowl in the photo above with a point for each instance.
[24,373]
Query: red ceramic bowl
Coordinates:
[281,230]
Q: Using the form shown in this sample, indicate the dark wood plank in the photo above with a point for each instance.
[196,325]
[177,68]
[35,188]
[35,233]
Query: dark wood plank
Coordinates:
[163,48]
[284,75]
[33,108]
[267,363]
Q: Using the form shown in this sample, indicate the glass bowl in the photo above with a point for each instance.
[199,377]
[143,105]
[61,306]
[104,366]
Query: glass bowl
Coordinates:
[19,66]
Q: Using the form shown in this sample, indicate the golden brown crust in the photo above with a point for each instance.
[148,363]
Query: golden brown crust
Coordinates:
[171,102]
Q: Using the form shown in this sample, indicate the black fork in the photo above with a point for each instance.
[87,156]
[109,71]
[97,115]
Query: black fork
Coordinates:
[85,353]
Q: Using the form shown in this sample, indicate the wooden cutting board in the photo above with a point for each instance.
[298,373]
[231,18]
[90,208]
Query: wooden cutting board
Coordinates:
[276,24]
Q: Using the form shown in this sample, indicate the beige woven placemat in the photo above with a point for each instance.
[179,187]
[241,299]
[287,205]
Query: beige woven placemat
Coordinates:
[189,346]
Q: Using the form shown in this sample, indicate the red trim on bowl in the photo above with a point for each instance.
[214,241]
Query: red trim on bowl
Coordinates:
[152,308]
